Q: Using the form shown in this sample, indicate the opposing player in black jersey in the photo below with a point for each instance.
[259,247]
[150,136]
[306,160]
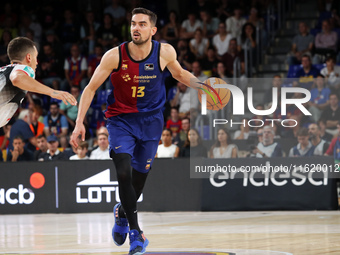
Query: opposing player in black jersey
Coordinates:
[18,78]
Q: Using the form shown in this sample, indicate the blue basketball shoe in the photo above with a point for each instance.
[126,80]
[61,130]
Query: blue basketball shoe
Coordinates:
[138,242]
[121,227]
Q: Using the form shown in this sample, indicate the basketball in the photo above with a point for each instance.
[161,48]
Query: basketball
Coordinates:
[213,102]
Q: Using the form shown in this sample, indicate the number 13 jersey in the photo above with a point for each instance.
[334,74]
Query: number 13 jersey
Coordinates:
[138,86]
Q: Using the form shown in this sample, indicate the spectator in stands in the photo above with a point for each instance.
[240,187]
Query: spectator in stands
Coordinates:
[314,135]
[71,111]
[108,34]
[21,128]
[5,39]
[235,23]
[55,123]
[36,126]
[116,11]
[172,29]
[52,153]
[302,44]
[304,148]
[189,26]
[331,114]
[323,134]
[193,145]
[221,40]
[68,31]
[248,34]
[183,133]
[197,71]
[27,23]
[209,23]
[306,74]
[268,95]
[229,58]
[267,148]
[185,100]
[19,153]
[75,68]
[197,149]
[319,98]
[221,72]
[332,74]
[42,145]
[102,152]
[88,31]
[199,45]
[224,10]
[255,19]
[325,42]
[56,44]
[81,152]
[223,148]
[209,62]
[184,55]
[244,131]
[51,67]
[334,147]
[94,61]
[167,149]
[174,123]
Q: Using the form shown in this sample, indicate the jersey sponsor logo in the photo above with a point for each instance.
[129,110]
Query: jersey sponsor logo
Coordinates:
[126,77]
[124,66]
[149,160]
[149,67]
[144,78]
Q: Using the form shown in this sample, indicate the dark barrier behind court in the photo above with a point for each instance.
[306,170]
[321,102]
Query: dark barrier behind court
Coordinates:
[91,186]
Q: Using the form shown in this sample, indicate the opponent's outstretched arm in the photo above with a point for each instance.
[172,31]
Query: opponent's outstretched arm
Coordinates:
[25,82]
[168,57]
[107,64]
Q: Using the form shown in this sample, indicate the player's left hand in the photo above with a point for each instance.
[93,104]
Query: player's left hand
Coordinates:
[65,96]
[78,130]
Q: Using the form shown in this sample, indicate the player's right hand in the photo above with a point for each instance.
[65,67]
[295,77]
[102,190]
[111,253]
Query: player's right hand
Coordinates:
[65,96]
[79,130]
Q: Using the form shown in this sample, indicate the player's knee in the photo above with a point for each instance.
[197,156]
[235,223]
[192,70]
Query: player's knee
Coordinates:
[122,162]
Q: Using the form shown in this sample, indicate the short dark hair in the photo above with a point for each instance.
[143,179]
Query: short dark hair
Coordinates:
[84,145]
[54,103]
[302,132]
[41,136]
[152,15]
[19,47]
[167,129]
[19,137]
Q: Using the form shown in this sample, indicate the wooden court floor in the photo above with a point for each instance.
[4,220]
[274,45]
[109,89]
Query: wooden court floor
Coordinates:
[240,233]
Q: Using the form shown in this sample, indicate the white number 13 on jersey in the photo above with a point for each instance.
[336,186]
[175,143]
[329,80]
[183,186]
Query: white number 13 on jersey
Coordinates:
[139,93]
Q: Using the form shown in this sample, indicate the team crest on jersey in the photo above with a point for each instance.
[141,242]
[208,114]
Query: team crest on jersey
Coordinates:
[124,66]
[147,167]
[149,67]
[126,77]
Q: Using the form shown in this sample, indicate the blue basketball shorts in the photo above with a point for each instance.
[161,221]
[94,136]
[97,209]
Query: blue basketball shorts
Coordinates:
[137,134]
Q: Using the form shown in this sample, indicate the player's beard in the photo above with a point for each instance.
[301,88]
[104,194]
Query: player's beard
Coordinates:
[140,41]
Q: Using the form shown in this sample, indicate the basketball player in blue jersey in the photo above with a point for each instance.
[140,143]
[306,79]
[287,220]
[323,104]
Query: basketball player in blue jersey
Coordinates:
[18,78]
[135,120]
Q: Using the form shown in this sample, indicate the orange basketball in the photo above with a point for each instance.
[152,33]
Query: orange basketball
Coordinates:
[224,93]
